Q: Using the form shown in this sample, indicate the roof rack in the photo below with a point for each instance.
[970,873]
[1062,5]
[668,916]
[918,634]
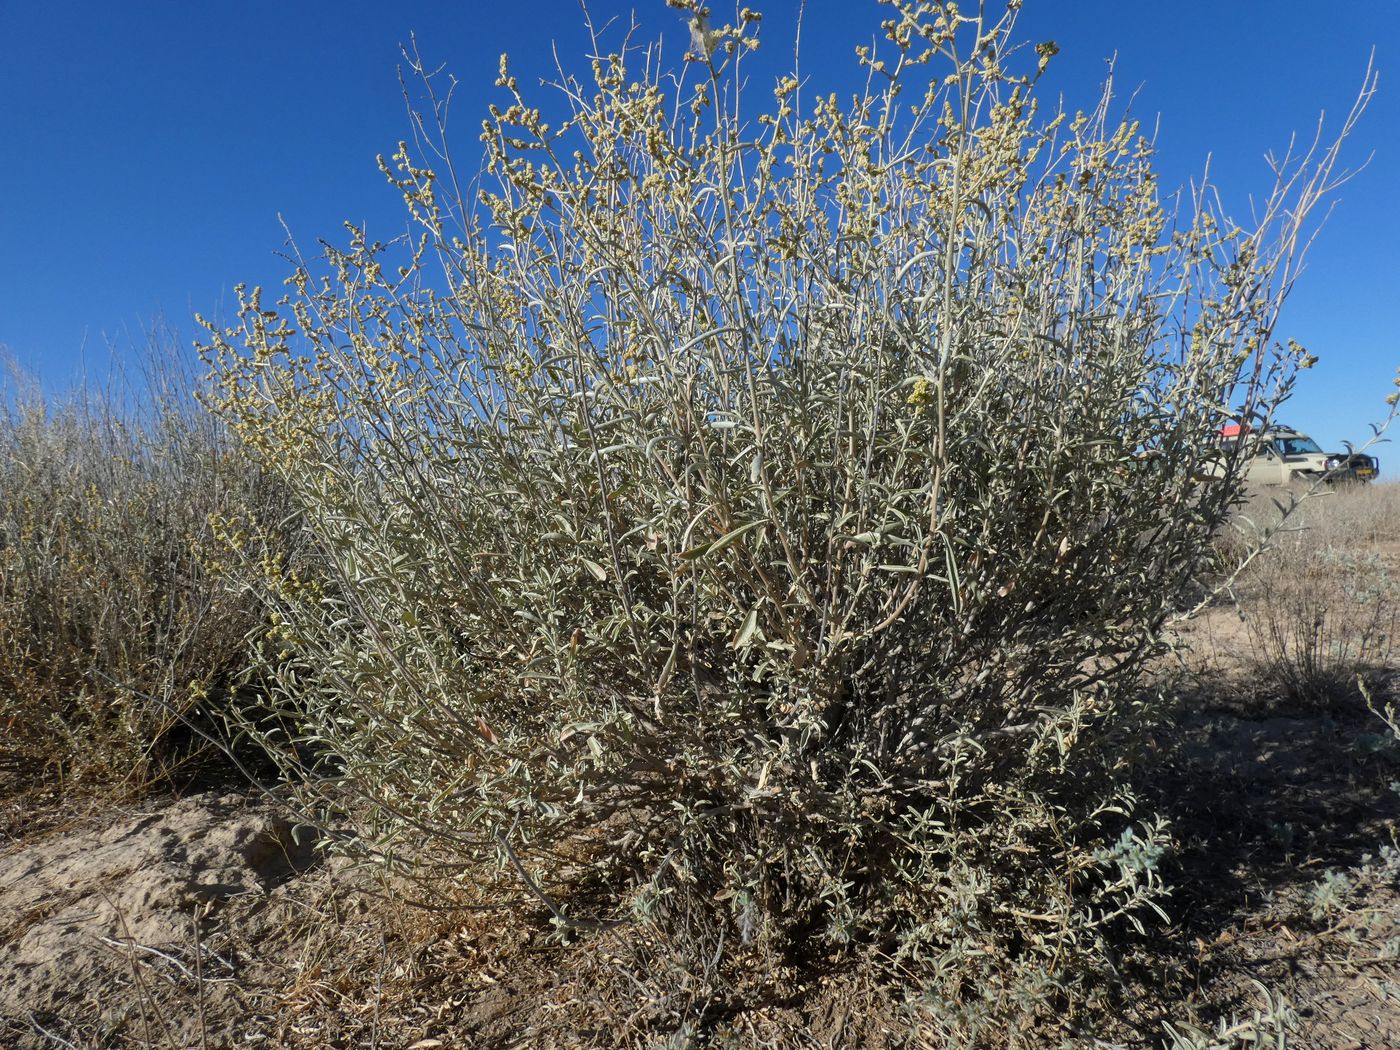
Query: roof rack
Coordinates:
[1234,430]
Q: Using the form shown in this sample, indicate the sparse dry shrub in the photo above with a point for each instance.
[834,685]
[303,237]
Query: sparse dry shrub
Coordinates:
[1322,606]
[112,625]
[749,531]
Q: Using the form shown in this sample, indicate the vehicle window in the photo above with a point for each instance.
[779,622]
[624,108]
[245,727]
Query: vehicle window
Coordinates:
[1297,446]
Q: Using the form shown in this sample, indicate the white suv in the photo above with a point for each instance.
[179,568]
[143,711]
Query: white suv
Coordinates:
[1283,455]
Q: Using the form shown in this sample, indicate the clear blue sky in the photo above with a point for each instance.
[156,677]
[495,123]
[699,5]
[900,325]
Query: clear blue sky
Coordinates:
[149,146]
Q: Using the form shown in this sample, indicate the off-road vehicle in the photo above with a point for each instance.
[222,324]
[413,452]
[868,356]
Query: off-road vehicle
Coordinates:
[1282,455]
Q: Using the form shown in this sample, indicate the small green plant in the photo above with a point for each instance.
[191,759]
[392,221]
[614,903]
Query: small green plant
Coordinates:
[749,528]
[1270,1027]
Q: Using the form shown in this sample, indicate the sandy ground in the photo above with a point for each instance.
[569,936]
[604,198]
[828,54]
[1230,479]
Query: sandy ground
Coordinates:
[97,920]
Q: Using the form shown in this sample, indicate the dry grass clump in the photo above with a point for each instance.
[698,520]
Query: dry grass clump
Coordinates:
[113,623]
[1322,605]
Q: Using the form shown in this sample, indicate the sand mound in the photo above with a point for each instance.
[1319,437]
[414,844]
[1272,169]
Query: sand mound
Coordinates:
[84,913]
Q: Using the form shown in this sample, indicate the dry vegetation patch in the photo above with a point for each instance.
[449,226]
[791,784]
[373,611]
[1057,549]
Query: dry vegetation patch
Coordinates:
[1281,781]
[118,633]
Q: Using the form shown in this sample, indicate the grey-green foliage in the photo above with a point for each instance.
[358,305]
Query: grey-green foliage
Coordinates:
[751,517]
[1269,1027]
